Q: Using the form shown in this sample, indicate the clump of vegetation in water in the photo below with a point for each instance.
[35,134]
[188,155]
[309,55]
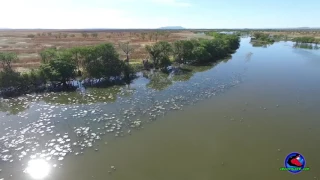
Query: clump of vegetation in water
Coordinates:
[280,37]
[306,40]
[262,38]
[96,64]
[260,44]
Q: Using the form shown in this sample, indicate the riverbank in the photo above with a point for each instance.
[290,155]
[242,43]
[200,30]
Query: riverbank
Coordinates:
[100,65]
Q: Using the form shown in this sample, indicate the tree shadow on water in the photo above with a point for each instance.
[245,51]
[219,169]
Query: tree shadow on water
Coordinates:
[310,46]
[161,81]
[261,44]
[13,106]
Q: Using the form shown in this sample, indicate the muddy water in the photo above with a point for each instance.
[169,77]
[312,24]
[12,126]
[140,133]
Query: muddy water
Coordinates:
[235,120]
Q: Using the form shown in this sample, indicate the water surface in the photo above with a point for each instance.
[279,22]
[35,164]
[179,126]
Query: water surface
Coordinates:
[235,120]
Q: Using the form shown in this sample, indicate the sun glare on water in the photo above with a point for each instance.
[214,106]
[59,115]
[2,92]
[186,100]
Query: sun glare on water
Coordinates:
[38,168]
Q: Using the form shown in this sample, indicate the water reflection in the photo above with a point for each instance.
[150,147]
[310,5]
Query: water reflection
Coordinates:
[306,46]
[92,95]
[38,168]
[158,80]
[13,106]
[261,44]
[248,56]
[311,56]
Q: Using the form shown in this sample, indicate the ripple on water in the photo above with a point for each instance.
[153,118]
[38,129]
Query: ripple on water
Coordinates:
[51,126]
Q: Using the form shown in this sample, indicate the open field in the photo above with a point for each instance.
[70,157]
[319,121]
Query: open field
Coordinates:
[29,43]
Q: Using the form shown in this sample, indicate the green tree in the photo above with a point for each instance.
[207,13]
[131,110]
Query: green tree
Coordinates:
[232,41]
[159,52]
[262,37]
[7,58]
[78,56]
[201,54]
[36,77]
[8,77]
[103,61]
[61,68]
[205,50]
[182,50]
[305,39]
[127,49]
[48,54]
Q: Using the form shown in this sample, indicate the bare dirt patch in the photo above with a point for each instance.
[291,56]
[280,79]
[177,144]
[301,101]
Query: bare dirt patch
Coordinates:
[29,43]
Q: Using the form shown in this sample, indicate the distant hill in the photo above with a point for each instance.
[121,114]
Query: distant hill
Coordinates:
[172,27]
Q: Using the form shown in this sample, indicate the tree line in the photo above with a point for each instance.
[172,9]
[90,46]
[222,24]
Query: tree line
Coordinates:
[59,66]
[102,63]
[306,39]
[194,51]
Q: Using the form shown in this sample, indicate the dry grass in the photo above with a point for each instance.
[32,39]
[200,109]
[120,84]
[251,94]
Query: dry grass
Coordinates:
[28,47]
[293,34]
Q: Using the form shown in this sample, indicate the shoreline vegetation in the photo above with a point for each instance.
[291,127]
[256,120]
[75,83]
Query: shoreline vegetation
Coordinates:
[306,43]
[259,39]
[100,65]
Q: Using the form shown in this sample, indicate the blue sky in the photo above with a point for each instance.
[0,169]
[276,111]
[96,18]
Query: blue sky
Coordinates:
[64,14]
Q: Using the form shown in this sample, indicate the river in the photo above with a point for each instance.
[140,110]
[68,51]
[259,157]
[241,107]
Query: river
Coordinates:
[237,119]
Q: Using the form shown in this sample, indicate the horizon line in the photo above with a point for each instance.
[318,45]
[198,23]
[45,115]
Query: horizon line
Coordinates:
[161,28]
